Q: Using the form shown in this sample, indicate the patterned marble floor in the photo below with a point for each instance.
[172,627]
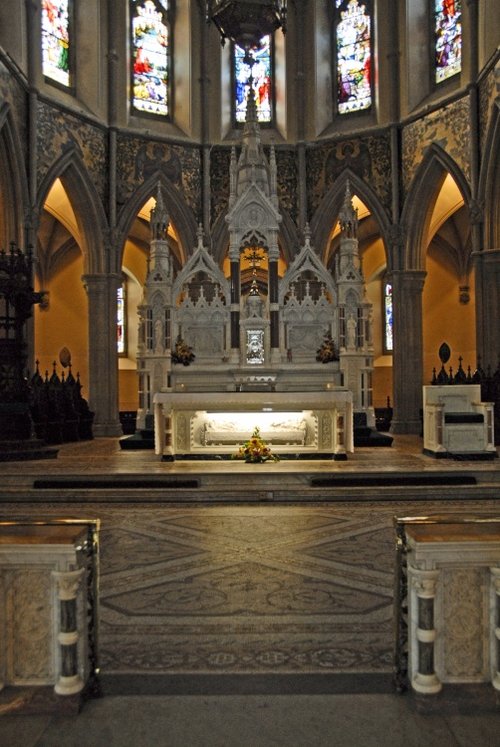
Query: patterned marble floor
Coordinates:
[235,587]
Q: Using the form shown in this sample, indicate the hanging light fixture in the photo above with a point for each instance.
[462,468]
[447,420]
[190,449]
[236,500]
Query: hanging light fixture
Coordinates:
[245,22]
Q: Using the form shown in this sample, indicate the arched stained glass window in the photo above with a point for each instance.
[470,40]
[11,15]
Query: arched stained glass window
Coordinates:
[56,40]
[353,43]
[259,74]
[151,55]
[447,38]
[388,319]
[121,318]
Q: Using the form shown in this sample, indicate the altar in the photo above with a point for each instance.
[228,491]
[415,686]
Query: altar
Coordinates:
[208,424]
[266,337]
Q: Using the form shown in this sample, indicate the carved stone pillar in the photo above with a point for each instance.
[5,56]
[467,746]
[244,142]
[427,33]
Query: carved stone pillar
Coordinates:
[273,304]
[103,357]
[495,628]
[235,301]
[69,680]
[407,355]
[487,277]
[422,632]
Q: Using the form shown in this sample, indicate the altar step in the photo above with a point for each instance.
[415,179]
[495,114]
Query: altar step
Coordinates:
[143,439]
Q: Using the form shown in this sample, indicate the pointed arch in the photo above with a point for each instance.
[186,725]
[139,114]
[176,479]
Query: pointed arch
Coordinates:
[87,207]
[328,211]
[15,201]
[421,198]
[489,182]
[288,237]
[180,213]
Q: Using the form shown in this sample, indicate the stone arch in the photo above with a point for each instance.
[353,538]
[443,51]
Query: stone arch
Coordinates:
[327,212]
[288,238]
[489,183]
[180,214]
[420,201]
[89,213]
[13,184]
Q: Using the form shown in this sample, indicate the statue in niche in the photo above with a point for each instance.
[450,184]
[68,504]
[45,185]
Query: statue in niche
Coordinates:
[158,337]
[351,332]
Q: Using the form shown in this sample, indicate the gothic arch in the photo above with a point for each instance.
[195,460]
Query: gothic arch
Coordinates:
[327,212]
[489,183]
[421,198]
[288,238]
[180,214]
[13,185]
[87,206]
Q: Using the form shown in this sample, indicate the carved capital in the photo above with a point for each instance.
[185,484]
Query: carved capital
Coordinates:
[67,583]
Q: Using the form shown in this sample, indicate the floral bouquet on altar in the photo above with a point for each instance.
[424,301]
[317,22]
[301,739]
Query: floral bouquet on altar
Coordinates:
[256,450]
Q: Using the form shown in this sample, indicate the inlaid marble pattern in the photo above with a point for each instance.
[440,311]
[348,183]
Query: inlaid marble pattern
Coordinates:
[245,589]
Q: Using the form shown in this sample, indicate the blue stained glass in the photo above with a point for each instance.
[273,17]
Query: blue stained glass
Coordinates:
[388,341]
[55,40]
[261,83]
[353,40]
[120,320]
[150,42]
[448,38]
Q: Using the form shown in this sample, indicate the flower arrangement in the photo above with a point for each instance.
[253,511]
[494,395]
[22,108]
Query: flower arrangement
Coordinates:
[327,352]
[182,353]
[256,450]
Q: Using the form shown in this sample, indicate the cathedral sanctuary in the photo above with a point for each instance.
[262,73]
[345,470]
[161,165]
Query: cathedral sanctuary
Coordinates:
[249,350]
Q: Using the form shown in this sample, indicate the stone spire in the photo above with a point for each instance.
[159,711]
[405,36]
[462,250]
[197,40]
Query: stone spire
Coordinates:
[253,167]
[159,218]
[348,216]
[159,259]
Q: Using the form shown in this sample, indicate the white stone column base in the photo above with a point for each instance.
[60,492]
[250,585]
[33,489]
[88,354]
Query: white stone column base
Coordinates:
[69,685]
[426,683]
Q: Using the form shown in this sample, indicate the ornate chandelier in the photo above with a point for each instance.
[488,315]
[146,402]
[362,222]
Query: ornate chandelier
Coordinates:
[245,22]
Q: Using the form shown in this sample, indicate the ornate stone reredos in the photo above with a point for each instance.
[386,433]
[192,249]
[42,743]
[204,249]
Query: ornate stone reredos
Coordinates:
[201,261]
[306,261]
[253,199]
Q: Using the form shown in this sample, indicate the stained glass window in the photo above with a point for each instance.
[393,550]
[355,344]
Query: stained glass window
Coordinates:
[388,340]
[151,48]
[121,319]
[259,76]
[56,40]
[447,38]
[353,40]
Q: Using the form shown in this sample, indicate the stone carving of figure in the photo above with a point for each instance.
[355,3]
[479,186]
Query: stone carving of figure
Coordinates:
[351,332]
[158,337]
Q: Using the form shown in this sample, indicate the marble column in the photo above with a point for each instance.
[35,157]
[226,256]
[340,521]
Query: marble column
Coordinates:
[495,628]
[235,299]
[69,679]
[408,353]
[274,304]
[103,358]
[422,632]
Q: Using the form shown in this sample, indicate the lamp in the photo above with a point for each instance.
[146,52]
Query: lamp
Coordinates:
[245,22]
